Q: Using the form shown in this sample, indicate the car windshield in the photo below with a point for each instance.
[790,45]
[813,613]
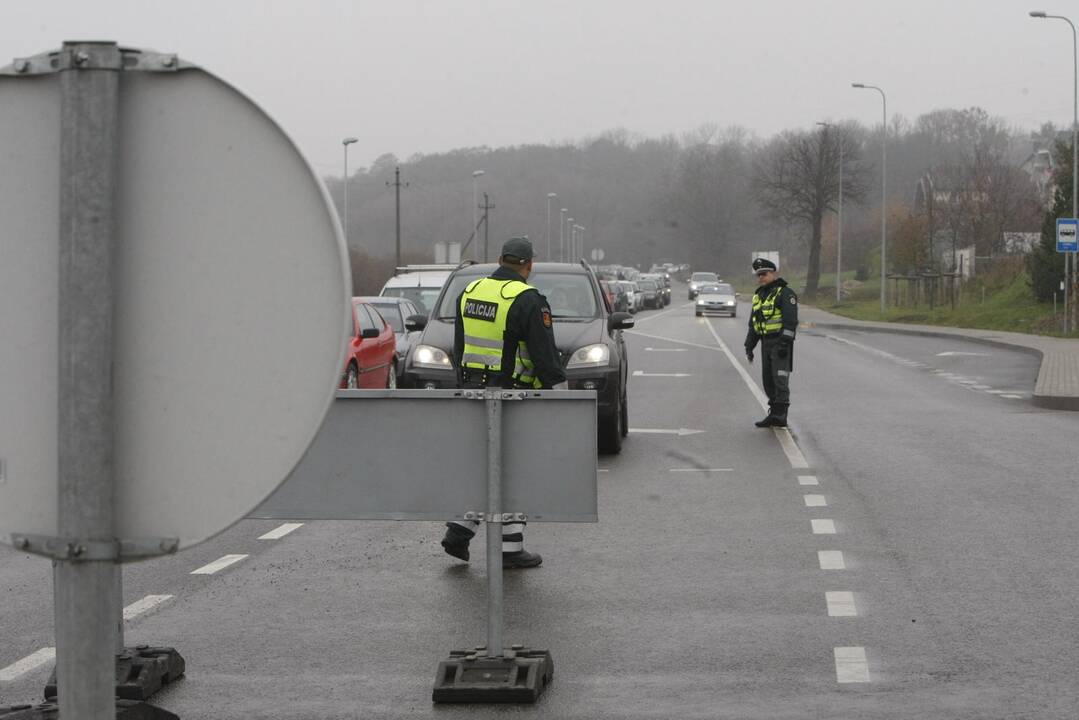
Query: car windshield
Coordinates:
[422,297]
[570,295]
[704,277]
[723,289]
[392,313]
[647,285]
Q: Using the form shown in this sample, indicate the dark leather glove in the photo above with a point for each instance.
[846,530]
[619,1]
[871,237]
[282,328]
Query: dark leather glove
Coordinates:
[749,355]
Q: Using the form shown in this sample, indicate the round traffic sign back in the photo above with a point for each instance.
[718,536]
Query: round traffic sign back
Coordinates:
[231,305]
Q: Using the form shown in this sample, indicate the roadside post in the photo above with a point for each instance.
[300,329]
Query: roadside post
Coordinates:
[162,240]
[456,483]
[1068,243]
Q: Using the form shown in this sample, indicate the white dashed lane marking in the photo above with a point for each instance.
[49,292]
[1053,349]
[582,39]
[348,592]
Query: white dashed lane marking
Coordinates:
[851,665]
[280,532]
[815,501]
[28,663]
[831,560]
[808,480]
[822,526]
[218,565]
[840,603]
[702,470]
[141,607]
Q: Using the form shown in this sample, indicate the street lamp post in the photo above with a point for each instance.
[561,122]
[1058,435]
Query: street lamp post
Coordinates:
[475,206]
[580,240]
[839,217]
[344,219]
[883,192]
[562,234]
[550,197]
[1069,261]
[569,227]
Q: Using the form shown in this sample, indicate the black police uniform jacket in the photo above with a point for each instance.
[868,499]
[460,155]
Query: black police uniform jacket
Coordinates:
[787,302]
[529,319]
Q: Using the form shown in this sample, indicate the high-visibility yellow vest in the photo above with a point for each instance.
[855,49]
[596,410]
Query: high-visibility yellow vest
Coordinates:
[767,318]
[485,307]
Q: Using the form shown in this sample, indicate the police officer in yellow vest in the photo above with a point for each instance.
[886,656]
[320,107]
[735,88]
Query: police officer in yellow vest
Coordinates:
[503,338]
[773,322]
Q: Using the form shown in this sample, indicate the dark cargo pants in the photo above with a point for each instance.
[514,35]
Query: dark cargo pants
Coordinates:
[776,372]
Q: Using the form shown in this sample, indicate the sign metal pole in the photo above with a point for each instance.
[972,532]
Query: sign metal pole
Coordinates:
[85,582]
[494,529]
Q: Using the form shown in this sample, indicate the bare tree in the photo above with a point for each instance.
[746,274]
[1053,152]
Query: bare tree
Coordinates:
[797,179]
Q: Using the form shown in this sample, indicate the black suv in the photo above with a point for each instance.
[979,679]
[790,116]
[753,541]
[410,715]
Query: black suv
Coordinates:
[587,333]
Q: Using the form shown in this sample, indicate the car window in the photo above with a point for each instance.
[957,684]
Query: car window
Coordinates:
[570,295]
[423,297]
[704,276]
[392,313]
[647,285]
[366,321]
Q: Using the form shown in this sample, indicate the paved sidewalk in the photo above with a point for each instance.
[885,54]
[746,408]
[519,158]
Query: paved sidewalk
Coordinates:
[1058,380]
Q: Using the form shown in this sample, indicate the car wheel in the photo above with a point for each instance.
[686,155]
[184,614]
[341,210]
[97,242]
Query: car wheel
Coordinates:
[698,314]
[352,378]
[610,433]
[391,377]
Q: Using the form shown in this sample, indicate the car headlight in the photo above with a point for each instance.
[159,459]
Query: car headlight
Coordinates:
[693,286]
[700,301]
[590,356]
[428,356]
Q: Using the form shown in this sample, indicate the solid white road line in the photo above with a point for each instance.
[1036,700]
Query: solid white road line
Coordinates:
[980,387]
[823,526]
[807,480]
[28,663]
[603,470]
[642,373]
[851,665]
[713,348]
[1011,397]
[280,532]
[955,353]
[219,564]
[794,454]
[815,501]
[704,470]
[666,349]
[831,560]
[757,392]
[840,603]
[141,607]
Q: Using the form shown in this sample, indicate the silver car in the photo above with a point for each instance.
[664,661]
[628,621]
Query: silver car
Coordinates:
[719,298]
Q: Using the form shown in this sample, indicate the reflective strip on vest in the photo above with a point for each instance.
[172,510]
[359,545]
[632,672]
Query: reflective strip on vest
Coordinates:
[767,318]
[483,333]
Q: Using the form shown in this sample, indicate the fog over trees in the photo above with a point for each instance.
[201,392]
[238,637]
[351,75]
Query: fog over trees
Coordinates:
[713,196]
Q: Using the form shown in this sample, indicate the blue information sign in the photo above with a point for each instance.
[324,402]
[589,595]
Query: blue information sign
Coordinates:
[1067,239]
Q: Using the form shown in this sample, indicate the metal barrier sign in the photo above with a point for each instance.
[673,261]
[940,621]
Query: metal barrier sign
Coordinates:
[419,455]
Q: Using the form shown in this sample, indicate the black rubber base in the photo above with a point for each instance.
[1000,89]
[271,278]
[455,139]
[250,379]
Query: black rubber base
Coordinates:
[519,676]
[125,710]
[140,672]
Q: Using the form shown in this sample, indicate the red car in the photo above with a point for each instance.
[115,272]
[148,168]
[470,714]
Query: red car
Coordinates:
[372,350]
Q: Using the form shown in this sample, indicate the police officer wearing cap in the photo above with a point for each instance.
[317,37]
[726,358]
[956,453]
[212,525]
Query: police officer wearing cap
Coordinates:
[503,338]
[773,322]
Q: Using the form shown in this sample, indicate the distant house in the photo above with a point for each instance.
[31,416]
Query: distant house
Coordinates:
[1039,166]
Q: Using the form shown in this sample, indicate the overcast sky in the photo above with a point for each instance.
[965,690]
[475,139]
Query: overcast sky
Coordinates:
[424,76]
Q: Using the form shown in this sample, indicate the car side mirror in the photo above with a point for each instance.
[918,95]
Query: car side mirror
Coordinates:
[620,321]
[414,323]
[369,333]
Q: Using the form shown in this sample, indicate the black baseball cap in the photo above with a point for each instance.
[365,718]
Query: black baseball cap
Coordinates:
[518,247]
[761,265]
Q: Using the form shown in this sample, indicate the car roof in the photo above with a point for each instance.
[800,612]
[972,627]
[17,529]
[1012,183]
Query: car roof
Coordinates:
[488,268]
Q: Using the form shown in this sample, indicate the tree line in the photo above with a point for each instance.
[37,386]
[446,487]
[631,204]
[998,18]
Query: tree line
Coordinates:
[713,196]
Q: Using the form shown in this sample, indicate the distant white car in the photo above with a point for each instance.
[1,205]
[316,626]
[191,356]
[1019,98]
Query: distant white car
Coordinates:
[636,297]
[719,298]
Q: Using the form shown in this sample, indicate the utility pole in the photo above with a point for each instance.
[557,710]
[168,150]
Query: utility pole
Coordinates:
[397,184]
[486,207]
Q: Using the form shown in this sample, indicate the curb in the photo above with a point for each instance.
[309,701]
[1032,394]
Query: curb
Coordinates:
[1048,401]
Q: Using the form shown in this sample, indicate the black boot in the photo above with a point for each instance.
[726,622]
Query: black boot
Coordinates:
[455,542]
[520,559]
[767,421]
[779,415]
